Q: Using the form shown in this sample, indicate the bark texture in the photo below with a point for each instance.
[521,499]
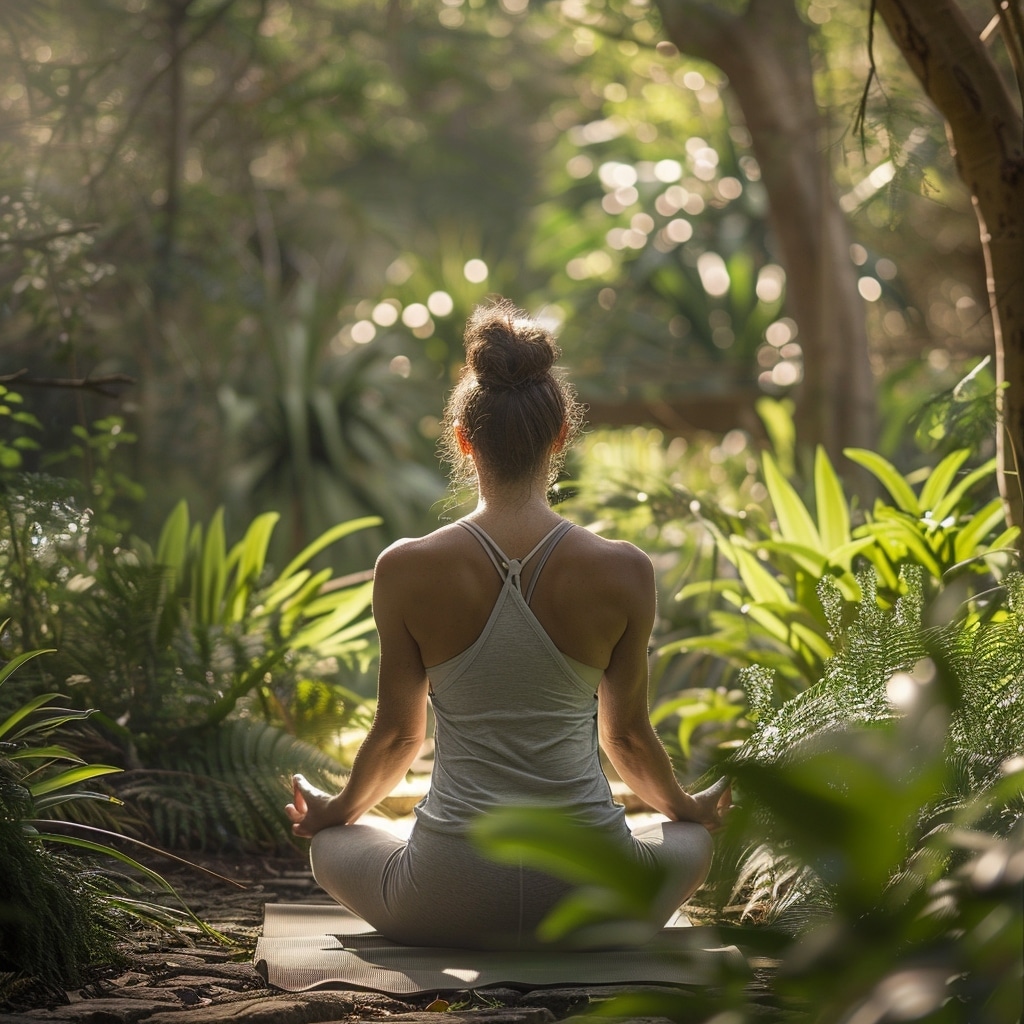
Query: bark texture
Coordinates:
[986,131]
[765,52]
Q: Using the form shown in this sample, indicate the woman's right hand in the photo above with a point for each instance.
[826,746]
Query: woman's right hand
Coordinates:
[311,809]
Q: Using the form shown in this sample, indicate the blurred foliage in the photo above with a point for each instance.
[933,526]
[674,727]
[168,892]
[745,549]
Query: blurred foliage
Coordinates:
[62,914]
[274,215]
[877,841]
[171,642]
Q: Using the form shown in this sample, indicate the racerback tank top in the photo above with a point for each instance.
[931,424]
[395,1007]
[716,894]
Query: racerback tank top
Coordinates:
[515,719]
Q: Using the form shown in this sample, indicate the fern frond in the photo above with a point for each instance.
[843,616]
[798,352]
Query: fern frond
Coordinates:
[221,786]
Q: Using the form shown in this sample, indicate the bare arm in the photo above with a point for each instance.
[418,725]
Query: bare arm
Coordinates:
[399,723]
[624,723]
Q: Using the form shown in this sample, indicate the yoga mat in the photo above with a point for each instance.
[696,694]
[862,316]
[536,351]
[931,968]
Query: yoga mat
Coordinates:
[307,946]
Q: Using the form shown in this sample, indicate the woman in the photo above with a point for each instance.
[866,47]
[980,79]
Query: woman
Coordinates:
[529,638]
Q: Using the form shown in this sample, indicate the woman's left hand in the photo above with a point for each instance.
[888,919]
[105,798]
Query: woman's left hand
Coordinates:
[714,804]
[311,809]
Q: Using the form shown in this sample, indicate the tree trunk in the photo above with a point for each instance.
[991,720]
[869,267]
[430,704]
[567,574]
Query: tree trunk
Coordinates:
[765,53]
[986,133]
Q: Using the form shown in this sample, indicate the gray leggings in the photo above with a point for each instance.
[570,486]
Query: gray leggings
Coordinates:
[437,890]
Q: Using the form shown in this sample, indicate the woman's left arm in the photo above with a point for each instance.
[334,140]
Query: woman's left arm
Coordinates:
[399,723]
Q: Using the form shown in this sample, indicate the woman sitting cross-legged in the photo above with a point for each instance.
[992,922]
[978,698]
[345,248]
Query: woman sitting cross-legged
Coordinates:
[528,636]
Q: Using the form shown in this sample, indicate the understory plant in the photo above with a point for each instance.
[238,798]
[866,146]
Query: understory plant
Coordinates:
[877,849]
[68,891]
[767,611]
[213,676]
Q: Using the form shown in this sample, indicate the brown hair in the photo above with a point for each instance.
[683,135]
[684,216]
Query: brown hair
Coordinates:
[509,402]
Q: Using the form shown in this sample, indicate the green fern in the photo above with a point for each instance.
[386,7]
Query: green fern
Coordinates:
[222,786]
[983,659]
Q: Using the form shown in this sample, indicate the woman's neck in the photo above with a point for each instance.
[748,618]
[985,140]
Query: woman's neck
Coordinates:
[518,509]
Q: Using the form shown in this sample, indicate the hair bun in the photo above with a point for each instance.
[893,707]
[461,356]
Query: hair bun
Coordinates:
[506,350]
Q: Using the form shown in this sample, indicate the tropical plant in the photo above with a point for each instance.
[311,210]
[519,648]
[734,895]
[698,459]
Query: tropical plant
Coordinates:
[201,631]
[890,795]
[772,613]
[213,676]
[63,914]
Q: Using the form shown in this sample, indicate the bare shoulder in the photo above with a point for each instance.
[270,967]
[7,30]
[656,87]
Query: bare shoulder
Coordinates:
[412,556]
[620,558]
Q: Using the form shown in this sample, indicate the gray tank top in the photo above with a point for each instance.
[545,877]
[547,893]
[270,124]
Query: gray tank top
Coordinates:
[515,719]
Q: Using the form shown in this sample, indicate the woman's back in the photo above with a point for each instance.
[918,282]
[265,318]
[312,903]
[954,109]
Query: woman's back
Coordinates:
[515,718]
[587,592]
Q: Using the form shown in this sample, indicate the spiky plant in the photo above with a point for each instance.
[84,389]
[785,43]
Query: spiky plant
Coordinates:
[981,665]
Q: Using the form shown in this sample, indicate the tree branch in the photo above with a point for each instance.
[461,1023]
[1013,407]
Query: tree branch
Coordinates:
[32,241]
[862,107]
[101,385]
[144,92]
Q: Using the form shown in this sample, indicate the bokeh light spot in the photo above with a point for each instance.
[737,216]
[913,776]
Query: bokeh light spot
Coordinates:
[385,313]
[714,275]
[869,289]
[363,332]
[475,271]
[415,315]
[440,303]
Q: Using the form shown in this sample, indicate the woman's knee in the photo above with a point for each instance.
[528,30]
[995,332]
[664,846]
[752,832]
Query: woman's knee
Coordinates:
[690,849]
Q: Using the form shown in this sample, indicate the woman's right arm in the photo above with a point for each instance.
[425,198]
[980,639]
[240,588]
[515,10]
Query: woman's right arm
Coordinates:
[399,722]
[624,722]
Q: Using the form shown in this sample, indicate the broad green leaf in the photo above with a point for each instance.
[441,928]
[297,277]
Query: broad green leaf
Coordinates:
[670,707]
[172,547]
[69,778]
[46,831]
[50,753]
[843,555]
[705,588]
[949,503]
[807,559]
[832,507]
[902,533]
[554,842]
[327,538]
[16,662]
[690,721]
[1006,541]
[281,590]
[761,584]
[195,557]
[63,796]
[252,558]
[736,646]
[295,607]
[777,417]
[776,627]
[888,476]
[331,629]
[798,617]
[355,598]
[940,479]
[795,522]
[984,521]
[30,706]
[214,570]
[53,719]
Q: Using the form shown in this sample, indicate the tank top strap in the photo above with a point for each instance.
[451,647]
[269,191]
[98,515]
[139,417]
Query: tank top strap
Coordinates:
[510,568]
[494,553]
[545,547]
